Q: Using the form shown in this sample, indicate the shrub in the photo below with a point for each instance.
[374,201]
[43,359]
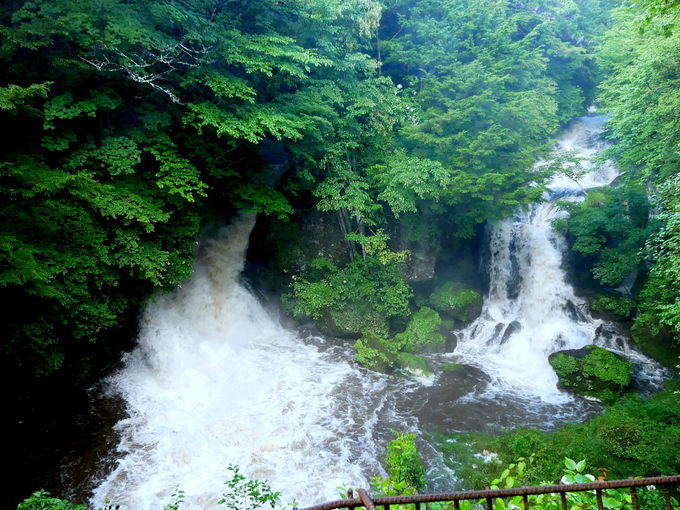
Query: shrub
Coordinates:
[404,463]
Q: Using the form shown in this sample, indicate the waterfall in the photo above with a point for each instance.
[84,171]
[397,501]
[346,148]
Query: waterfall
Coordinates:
[531,310]
[215,380]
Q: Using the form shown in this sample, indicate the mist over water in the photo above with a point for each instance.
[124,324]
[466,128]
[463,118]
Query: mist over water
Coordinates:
[216,380]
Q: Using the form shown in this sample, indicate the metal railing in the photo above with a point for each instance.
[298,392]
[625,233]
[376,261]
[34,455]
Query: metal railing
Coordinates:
[488,496]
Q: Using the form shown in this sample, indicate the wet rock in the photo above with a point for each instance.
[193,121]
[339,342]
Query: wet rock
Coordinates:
[608,336]
[659,345]
[512,328]
[458,301]
[420,266]
[496,333]
[574,313]
[413,364]
[514,283]
[593,371]
[451,341]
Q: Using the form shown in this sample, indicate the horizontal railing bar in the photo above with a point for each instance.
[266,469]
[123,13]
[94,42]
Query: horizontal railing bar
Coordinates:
[499,493]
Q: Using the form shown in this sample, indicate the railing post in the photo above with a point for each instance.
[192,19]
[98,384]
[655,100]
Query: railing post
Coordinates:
[634,498]
[667,497]
[489,504]
[366,500]
[525,499]
[563,498]
[350,495]
[600,505]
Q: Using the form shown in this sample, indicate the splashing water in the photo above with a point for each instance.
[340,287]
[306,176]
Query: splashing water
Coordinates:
[215,380]
[531,310]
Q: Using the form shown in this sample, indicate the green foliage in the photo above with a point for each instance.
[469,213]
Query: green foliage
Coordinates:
[15,98]
[634,437]
[599,373]
[620,305]
[456,300]
[241,493]
[490,82]
[645,125]
[358,298]
[245,494]
[652,9]
[423,330]
[136,122]
[660,303]
[42,500]
[609,229]
[382,354]
[177,500]
[404,180]
[404,463]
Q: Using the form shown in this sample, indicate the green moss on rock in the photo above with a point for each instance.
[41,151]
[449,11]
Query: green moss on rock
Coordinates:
[593,371]
[655,341]
[458,301]
[413,364]
[422,332]
[376,353]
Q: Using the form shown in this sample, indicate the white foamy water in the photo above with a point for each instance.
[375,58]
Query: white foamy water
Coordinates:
[216,380]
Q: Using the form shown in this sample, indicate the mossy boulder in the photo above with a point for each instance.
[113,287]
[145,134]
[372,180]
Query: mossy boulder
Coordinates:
[376,353]
[383,355]
[422,333]
[413,364]
[593,371]
[458,301]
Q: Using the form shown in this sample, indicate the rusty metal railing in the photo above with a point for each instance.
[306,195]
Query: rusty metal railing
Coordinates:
[488,496]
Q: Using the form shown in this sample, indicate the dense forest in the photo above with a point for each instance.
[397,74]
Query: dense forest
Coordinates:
[367,135]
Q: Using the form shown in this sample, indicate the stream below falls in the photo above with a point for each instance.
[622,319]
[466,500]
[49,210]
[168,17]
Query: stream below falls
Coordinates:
[216,380]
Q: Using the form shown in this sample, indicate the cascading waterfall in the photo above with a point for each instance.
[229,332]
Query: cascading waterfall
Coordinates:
[531,310]
[215,380]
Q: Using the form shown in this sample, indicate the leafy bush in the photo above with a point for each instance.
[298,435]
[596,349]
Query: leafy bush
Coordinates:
[245,494]
[634,437]
[608,230]
[404,463]
[42,500]
[619,305]
[358,298]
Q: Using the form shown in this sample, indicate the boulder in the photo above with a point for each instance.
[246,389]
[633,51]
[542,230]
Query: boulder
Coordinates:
[593,371]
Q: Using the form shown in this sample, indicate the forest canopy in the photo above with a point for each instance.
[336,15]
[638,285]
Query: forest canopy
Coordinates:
[136,123]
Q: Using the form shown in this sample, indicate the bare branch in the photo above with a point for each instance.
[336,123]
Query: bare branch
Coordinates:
[150,66]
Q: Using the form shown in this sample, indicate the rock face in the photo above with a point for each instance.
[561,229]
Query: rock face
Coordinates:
[421,264]
[593,371]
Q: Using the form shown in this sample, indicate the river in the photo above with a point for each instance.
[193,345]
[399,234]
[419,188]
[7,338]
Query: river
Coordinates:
[216,380]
